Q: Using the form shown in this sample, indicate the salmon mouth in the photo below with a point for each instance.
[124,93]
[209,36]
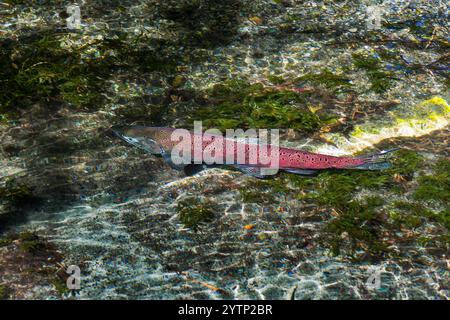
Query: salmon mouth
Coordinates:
[144,143]
[118,131]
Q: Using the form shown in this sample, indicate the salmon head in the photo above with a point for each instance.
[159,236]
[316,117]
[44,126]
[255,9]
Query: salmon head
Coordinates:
[150,139]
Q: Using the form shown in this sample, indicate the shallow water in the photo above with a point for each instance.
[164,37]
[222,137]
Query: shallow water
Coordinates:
[115,211]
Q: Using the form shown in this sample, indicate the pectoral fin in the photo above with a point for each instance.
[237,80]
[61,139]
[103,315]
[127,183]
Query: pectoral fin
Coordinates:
[168,159]
[303,172]
[251,171]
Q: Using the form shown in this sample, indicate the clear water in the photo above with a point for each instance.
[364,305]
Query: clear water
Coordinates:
[112,209]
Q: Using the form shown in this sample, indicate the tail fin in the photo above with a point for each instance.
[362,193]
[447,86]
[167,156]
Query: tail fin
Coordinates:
[376,161]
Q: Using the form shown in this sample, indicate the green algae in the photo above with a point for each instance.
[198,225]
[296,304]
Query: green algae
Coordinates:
[251,196]
[412,214]
[15,197]
[403,220]
[30,242]
[60,286]
[436,186]
[276,79]
[325,78]
[6,240]
[380,80]
[425,113]
[262,192]
[4,292]
[38,68]
[405,163]
[334,187]
[333,190]
[359,219]
[360,223]
[422,118]
[238,104]
[134,114]
[435,241]
[192,213]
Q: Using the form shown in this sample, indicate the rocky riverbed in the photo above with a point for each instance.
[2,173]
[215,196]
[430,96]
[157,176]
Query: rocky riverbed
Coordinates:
[332,79]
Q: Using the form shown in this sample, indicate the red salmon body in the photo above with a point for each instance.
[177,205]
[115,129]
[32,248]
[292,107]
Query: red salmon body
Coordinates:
[291,158]
[203,148]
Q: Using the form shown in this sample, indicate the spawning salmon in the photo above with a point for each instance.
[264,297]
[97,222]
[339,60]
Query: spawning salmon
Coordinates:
[161,141]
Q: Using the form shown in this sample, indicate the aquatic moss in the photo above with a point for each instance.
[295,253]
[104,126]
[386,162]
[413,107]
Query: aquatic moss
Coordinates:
[374,201]
[261,192]
[380,80]
[360,222]
[60,286]
[5,241]
[276,79]
[39,68]
[412,214]
[335,190]
[17,195]
[405,163]
[238,104]
[251,196]
[4,292]
[404,220]
[30,242]
[326,78]
[192,213]
[359,219]
[436,186]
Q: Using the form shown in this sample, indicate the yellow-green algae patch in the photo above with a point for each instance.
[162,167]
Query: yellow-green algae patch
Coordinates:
[407,121]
